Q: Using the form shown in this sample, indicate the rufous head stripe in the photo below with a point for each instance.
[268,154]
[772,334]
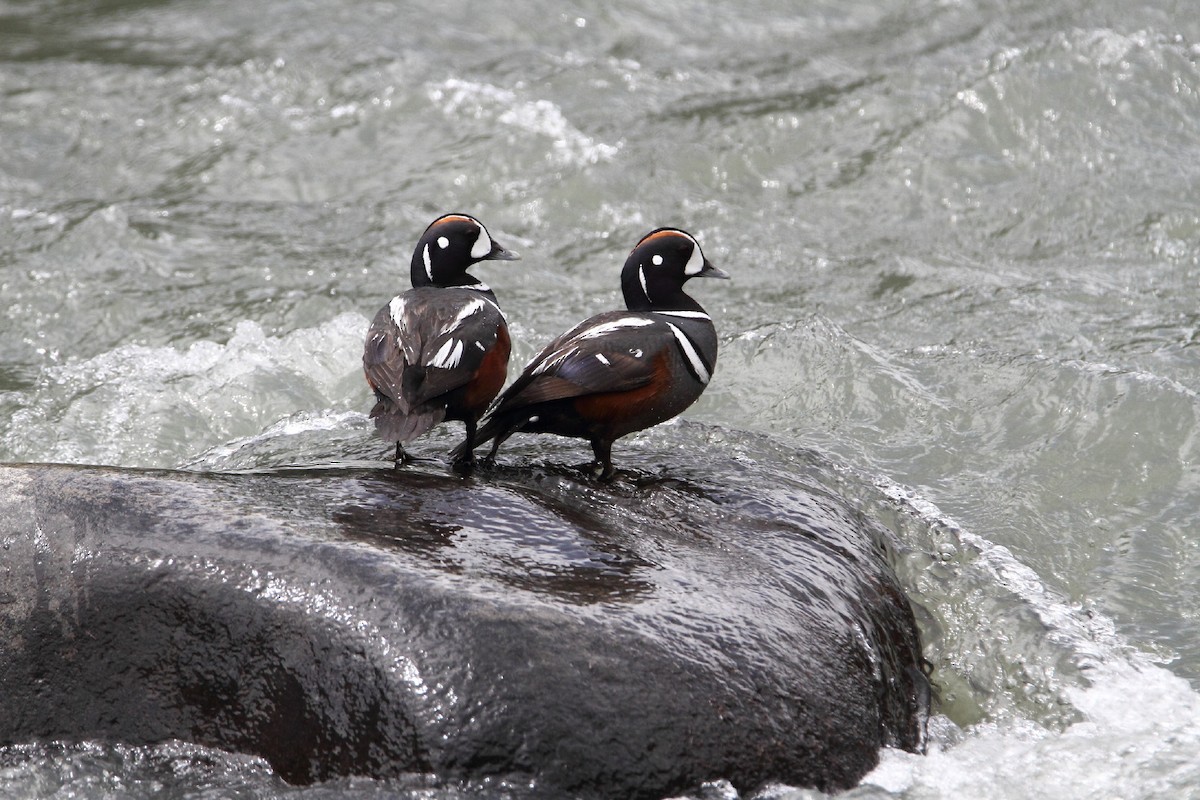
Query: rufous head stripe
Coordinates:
[664,233]
[453,217]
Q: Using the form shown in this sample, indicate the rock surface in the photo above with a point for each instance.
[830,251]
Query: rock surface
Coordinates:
[628,640]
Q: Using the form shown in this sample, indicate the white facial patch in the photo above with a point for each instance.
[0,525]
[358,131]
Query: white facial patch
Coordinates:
[483,245]
[448,356]
[642,279]
[696,262]
[443,242]
[657,260]
[428,263]
[699,369]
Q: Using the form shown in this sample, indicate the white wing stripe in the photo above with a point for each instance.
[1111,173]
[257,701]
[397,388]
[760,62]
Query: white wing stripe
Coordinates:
[554,359]
[686,314]
[616,324]
[448,356]
[473,307]
[569,348]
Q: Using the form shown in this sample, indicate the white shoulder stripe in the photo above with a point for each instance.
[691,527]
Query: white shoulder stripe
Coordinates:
[699,368]
[397,310]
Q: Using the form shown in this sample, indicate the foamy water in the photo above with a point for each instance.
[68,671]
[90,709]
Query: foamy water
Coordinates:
[148,406]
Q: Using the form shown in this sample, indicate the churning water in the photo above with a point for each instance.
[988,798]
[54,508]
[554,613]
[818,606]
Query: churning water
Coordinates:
[965,244]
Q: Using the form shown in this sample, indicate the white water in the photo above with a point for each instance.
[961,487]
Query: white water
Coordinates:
[1137,727]
[153,406]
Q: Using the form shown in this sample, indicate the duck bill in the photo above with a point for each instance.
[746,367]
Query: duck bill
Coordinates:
[709,271]
[499,253]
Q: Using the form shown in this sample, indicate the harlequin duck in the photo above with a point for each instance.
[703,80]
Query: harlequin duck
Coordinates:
[620,371]
[440,350]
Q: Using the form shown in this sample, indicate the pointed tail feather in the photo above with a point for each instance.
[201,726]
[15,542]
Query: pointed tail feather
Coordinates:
[397,427]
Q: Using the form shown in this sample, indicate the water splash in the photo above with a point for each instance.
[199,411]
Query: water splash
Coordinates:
[1124,725]
[144,406]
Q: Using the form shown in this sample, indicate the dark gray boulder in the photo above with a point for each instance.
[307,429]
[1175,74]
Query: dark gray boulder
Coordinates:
[627,640]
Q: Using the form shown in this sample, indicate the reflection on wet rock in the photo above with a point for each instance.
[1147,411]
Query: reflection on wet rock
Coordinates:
[630,640]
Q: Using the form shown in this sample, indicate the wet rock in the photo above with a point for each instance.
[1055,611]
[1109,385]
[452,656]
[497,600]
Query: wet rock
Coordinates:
[628,640]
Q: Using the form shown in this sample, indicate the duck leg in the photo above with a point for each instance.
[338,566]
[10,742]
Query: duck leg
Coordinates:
[603,468]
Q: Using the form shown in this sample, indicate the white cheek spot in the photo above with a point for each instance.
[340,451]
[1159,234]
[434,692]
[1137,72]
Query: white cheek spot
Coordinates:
[534,418]
[657,260]
[483,245]
[600,357]
[443,242]
[642,281]
[428,263]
